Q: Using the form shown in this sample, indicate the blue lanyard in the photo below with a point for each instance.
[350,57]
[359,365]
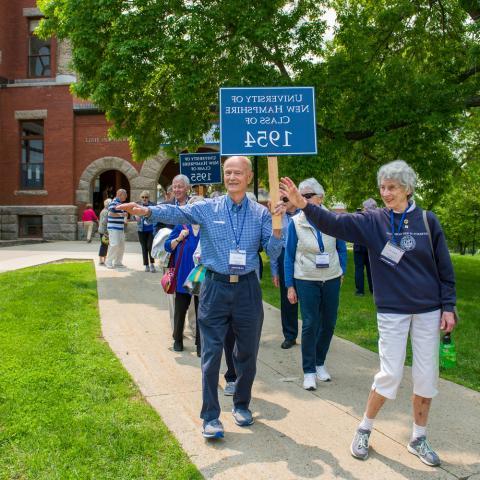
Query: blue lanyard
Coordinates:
[237,239]
[321,246]
[400,225]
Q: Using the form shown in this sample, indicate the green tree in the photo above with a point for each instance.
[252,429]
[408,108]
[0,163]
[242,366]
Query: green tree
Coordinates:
[395,79]
[459,208]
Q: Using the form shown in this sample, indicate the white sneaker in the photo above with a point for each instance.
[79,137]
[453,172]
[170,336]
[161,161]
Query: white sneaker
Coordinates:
[309,382]
[109,265]
[322,374]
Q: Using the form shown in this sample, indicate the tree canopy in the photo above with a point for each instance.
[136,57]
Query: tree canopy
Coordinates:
[393,79]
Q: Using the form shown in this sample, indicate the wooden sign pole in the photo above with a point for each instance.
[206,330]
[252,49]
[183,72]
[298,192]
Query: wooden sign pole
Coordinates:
[274,191]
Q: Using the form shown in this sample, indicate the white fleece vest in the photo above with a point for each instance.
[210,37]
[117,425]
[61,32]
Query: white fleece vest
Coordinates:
[307,247]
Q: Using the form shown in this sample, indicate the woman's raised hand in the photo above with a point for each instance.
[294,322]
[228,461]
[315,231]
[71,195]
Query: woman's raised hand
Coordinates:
[289,189]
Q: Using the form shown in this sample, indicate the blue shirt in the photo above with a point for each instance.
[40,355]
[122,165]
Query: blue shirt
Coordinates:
[221,221]
[113,222]
[286,219]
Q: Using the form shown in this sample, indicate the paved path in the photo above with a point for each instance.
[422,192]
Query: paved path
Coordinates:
[297,434]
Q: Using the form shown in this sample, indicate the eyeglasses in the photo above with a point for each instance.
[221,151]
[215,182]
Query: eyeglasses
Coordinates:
[308,196]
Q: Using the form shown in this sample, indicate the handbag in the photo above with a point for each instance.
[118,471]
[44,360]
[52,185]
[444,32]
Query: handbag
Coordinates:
[193,282]
[169,278]
[427,226]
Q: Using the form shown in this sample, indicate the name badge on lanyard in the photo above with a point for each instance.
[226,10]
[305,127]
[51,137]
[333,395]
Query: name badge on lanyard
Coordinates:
[322,260]
[237,260]
[391,254]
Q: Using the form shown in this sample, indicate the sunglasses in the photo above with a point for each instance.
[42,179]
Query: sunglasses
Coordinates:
[308,196]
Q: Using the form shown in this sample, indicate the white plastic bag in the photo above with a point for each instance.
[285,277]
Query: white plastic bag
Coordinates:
[158,247]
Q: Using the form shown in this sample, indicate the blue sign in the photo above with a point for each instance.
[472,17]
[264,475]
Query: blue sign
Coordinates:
[201,168]
[268,121]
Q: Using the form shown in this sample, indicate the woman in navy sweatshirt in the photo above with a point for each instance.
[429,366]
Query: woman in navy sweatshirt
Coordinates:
[414,291]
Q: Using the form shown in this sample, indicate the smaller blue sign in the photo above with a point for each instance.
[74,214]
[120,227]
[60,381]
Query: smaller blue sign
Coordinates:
[201,168]
[267,121]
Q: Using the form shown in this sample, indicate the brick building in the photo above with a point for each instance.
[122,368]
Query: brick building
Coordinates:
[55,155]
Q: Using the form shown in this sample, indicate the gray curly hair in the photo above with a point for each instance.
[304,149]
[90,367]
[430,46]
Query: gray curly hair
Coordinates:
[400,171]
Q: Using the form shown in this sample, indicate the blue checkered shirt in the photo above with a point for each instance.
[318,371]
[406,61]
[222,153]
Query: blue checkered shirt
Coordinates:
[218,232]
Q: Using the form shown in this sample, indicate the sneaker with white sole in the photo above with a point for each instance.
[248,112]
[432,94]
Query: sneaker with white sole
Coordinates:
[309,382]
[322,374]
[213,429]
[229,389]
[422,449]
[109,265]
[152,268]
[242,417]
[360,444]
[147,268]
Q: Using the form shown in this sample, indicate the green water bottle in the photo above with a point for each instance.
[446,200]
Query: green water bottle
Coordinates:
[448,354]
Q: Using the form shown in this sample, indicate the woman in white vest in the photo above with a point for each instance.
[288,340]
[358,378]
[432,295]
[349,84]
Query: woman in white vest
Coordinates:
[314,267]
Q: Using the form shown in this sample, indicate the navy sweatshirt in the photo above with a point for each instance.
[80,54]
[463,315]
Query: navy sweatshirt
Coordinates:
[413,285]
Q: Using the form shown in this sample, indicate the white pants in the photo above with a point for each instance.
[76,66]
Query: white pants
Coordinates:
[116,247]
[424,331]
[88,226]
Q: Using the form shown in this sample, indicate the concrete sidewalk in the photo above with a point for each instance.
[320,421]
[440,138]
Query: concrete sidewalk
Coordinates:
[297,434]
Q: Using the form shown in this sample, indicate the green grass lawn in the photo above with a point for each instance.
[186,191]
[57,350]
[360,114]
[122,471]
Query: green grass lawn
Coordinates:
[68,409]
[357,320]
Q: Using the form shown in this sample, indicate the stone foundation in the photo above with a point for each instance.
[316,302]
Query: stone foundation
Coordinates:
[59,221]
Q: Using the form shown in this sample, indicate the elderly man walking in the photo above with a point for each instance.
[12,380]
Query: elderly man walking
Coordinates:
[233,228]
[116,231]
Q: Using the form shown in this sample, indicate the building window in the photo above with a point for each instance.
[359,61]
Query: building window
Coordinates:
[39,53]
[30,226]
[32,154]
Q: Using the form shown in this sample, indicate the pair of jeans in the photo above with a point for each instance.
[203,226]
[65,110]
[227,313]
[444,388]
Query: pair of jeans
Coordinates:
[360,259]
[288,311]
[222,305]
[146,240]
[319,307]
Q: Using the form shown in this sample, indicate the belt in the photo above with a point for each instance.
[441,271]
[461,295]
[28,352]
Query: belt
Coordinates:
[220,277]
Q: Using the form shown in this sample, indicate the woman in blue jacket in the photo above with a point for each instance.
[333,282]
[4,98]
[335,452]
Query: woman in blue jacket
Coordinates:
[182,243]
